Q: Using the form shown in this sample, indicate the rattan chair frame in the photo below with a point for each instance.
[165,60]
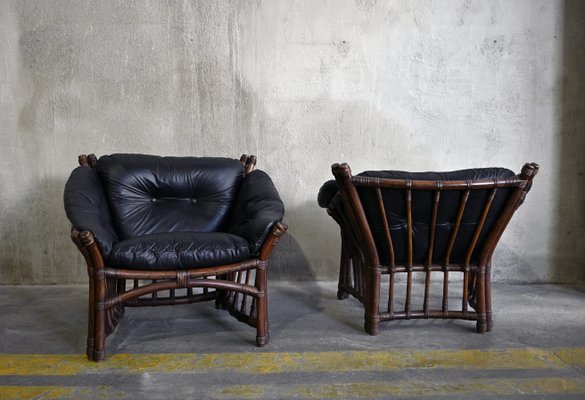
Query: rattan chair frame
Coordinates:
[360,269]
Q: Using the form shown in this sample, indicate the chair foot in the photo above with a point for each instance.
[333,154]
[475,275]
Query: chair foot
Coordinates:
[261,341]
[99,355]
[371,330]
[89,349]
[371,326]
[490,324]
[481,327]
[341,295]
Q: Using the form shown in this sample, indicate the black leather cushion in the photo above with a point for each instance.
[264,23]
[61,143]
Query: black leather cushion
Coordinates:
[326,193]
[422,206]
[87,207]
[152,194]
[179,250]
[257,207]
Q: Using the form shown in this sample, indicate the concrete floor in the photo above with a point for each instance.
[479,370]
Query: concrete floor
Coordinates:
[318,349]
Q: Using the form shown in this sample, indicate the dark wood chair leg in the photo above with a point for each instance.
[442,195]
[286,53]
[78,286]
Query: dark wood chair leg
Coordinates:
[372,302]
[371,324]
[99,352]
[221,294]
[262,308]
[344,274]
[481,325]
[91,318]
[488,298]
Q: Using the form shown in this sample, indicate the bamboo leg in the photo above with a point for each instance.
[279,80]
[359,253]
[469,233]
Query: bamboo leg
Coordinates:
[472,289]
[481,326]
[219,300]
[262,307]
[91,317]
[121,288]
[99,352]
[372,302]
[488,298]
[344,266]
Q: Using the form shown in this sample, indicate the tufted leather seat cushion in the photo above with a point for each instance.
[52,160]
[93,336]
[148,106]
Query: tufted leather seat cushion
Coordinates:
[151,194]
[179,250]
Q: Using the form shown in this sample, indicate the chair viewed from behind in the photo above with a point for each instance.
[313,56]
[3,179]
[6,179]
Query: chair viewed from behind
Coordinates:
[173,230]
[415,226]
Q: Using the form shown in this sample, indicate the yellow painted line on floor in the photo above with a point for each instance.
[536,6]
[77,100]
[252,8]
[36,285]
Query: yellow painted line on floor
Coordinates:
[35,392]
[287,362]
[59,392]
[355,390]
[573,356]
[241,392]
[412,388]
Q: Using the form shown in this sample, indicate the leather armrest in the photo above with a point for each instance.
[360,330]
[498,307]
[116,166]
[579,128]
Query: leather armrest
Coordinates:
[257,208]
[326,193]
[87,208]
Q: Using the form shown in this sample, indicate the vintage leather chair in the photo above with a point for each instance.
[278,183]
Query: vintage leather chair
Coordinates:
[173,230]
[414,226]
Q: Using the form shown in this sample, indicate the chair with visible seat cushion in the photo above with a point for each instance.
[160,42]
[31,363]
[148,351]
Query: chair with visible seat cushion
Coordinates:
[413,226]
[173,230]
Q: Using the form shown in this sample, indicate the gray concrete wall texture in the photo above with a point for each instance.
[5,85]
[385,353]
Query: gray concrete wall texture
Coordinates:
[396,84]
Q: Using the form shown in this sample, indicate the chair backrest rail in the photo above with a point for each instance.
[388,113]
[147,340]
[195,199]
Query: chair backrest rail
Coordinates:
[388,183]
[480,225]
[386,226]
[455,230]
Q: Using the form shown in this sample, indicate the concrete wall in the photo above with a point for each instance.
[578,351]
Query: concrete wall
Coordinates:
[416,85]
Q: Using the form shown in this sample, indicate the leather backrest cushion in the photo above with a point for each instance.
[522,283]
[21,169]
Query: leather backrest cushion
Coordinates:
[422,207]
[152,194]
